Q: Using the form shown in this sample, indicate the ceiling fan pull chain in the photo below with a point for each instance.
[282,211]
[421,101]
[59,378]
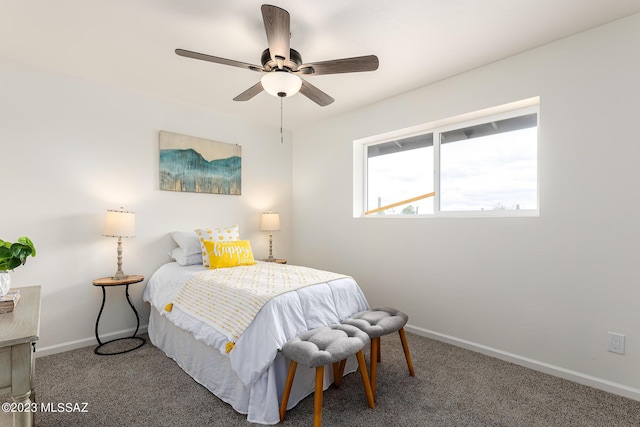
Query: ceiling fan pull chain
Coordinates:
[281,132]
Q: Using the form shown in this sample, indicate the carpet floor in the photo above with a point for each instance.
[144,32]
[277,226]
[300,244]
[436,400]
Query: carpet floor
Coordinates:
[452,387]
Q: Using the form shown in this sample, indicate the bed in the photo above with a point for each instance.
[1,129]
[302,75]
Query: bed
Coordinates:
[249,375]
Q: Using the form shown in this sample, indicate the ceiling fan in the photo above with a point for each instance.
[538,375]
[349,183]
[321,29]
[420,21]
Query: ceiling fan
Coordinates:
[283,66]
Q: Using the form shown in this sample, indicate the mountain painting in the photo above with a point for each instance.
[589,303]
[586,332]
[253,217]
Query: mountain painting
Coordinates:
[199,165]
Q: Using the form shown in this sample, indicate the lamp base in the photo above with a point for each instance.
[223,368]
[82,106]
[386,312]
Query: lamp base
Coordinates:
[120,276]
[270,258]
[119,273]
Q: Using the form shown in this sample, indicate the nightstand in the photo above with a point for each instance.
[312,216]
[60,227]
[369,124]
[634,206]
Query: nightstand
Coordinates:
[277,261]
[109,282]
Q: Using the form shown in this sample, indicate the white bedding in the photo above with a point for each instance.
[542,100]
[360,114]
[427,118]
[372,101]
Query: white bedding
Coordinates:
[229,299]
[279,320]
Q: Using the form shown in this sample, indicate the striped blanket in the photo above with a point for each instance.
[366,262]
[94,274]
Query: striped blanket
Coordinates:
[229,298]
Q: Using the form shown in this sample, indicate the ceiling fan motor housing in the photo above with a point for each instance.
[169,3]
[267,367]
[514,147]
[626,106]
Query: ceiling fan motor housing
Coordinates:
[295,60]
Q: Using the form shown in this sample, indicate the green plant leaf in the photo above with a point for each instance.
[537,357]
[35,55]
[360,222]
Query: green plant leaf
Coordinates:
[26,241]
[13,263]
[13,255]
[5,256]
[20,252]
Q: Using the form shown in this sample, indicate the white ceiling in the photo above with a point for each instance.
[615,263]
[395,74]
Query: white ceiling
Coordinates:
[130,44]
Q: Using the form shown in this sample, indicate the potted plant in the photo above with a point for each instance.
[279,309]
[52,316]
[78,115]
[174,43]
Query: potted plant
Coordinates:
[13,255]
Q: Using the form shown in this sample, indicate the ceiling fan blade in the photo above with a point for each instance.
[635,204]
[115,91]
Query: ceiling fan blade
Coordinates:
[337,66]
[249,93]
[315,94]
[217,60]
[277,27]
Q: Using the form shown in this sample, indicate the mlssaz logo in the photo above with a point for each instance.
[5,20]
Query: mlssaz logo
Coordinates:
[64,407]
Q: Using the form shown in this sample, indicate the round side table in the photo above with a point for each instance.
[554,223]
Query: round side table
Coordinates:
[105,282]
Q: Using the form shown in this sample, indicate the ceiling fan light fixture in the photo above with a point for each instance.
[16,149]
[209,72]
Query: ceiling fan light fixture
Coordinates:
[281,83]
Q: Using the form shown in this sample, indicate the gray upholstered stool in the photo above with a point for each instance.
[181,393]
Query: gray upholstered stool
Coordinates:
[323,346]
[376,323]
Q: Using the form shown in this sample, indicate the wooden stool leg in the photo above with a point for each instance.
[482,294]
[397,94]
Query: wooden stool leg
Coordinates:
[287,388]
[407,355]
[365,379]
[373,367]
[378,353]
[337,377]
[343,363]
[317,397]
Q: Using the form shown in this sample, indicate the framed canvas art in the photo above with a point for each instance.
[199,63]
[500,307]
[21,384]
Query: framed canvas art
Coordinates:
[199,165]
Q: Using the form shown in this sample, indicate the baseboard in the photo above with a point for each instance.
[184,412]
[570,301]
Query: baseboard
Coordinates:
[578,377]
[86,342]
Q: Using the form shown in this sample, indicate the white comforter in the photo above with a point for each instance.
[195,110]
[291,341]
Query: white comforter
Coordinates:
[279,320]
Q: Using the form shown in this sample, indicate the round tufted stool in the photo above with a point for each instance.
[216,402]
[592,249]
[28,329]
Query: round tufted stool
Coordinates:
[376,323]
[323,346]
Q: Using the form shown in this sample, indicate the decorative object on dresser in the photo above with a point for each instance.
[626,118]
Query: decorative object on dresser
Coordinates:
[119,223]
[18,335]
[13,255]
[270,222]
[109,282]
[9,301]
[5,282]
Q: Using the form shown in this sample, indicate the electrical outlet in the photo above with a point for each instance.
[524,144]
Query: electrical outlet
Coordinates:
[616,343]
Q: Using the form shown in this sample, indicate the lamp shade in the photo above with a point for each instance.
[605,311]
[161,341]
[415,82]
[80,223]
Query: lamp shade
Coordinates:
[281,83]
[270,221]
[120,223]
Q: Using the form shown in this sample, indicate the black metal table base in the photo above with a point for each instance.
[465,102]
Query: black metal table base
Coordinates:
[101,344]
[140,344]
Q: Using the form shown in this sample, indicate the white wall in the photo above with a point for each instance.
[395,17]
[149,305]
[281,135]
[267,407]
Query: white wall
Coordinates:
[541,291]
[71,149]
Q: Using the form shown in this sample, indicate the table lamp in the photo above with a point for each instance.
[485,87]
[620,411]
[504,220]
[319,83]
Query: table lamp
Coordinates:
[270,222]
[119,223]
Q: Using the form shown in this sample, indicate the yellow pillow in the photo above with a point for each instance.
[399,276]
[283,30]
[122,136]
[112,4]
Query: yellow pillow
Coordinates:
[216,235]
[229,254]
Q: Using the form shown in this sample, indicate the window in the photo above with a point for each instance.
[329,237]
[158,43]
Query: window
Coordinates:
[400,170]
[485,165]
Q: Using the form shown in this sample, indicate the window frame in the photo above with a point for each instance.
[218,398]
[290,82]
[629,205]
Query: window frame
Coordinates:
[360,159]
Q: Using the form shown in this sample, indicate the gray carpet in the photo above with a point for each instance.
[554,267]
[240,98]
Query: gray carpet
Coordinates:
[452,387]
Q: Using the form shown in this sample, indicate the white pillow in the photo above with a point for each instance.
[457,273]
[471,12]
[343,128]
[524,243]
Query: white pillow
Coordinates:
[188,241]
[179,256]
